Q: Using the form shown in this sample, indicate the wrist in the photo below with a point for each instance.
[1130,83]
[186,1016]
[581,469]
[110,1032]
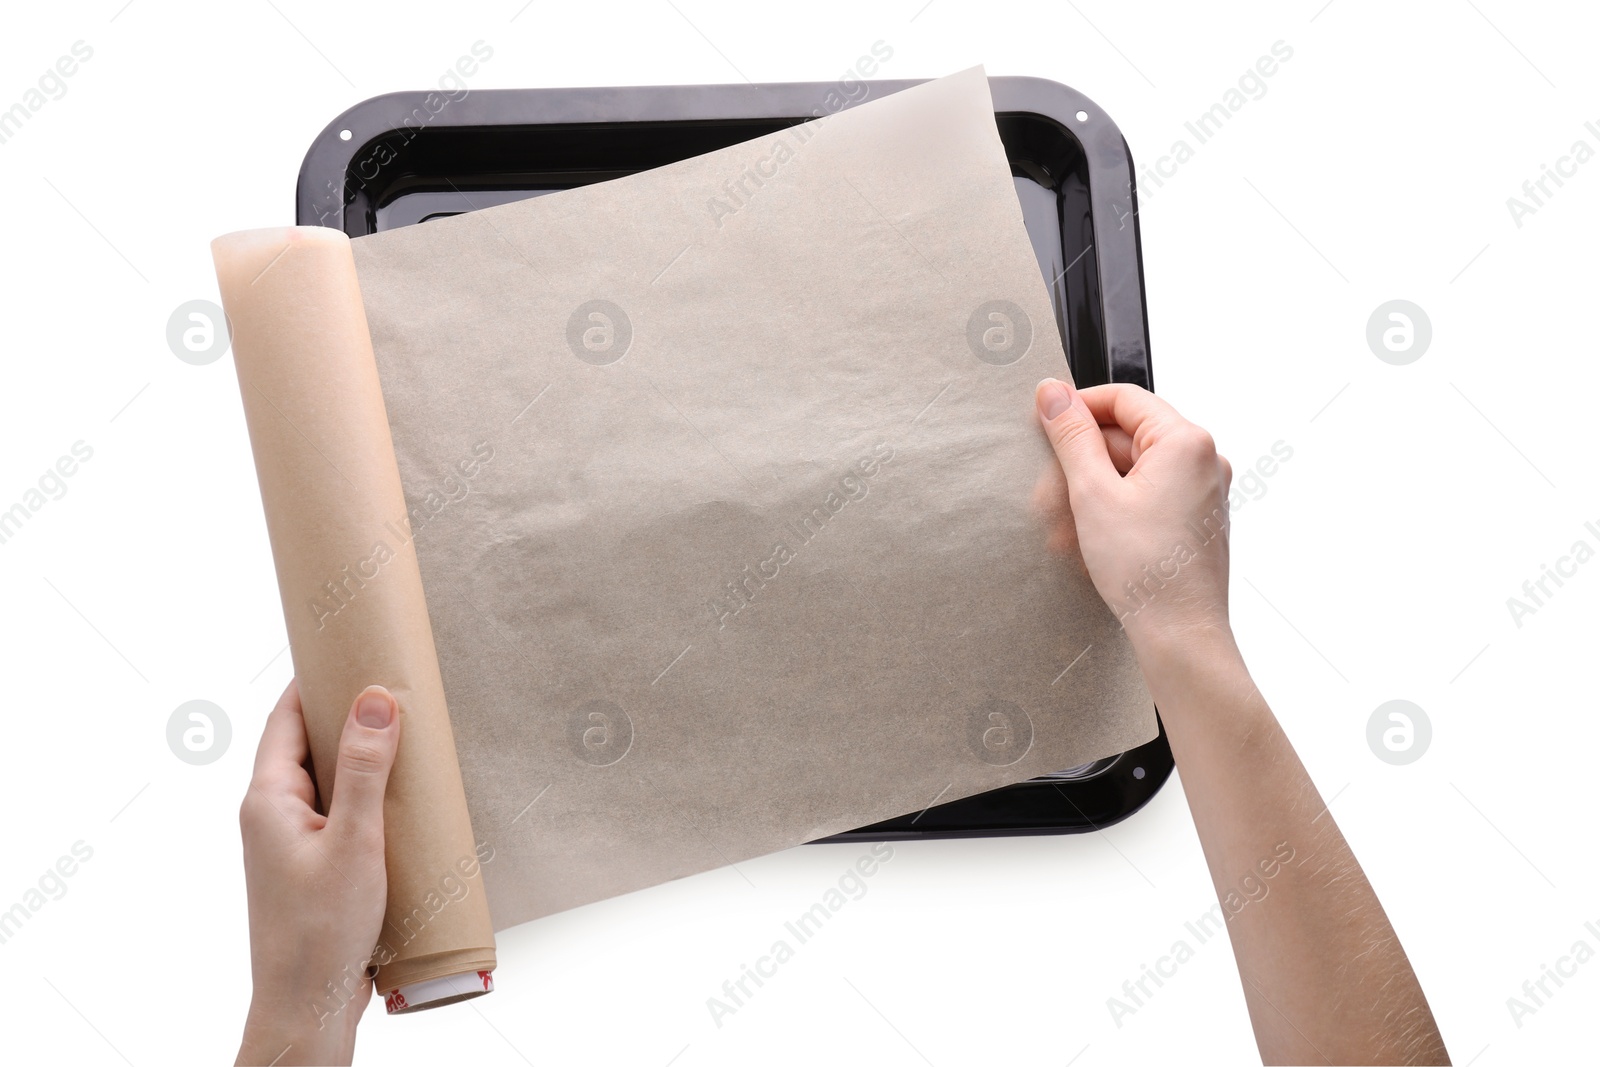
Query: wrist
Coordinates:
[1181,664]
[285,1028]
[1171,645]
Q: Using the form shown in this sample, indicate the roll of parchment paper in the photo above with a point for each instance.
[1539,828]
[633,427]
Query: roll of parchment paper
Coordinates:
[351,589]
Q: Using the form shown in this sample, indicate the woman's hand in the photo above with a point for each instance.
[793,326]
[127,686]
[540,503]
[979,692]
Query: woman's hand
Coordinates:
[317,883]
[1141,492]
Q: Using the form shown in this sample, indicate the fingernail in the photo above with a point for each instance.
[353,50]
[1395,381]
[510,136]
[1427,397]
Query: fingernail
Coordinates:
[375,708]
[1054,398]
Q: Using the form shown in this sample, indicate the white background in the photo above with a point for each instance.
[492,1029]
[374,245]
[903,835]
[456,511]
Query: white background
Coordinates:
[1376,565]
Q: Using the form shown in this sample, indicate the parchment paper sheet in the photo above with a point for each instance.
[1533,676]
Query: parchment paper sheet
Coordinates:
[724,523]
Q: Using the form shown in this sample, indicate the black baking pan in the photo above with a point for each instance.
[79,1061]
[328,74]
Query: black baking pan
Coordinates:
[405,158]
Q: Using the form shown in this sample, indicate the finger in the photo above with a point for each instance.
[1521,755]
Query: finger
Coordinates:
[366,754]
[1075,435]
[1169,449]
[1143,415]
[1050,492]
[281,756]
[1124,452]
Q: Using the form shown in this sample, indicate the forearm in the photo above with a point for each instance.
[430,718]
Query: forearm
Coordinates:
[1324,975]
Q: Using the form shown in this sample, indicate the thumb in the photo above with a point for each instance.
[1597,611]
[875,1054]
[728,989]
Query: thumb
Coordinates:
[366,753]
[1075,435]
